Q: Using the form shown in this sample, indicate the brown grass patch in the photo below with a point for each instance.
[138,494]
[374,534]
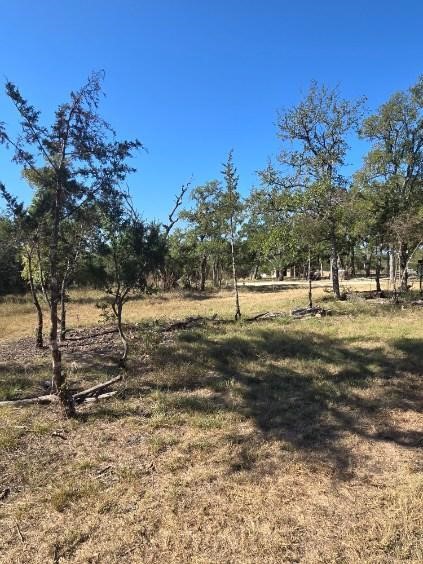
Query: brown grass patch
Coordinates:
[278,441]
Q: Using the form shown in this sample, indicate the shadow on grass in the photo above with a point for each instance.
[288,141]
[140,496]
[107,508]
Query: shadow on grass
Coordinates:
[308,391]
[17,381]
[271,288]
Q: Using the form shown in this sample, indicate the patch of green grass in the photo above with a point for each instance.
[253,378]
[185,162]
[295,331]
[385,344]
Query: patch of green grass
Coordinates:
[160,443]
[66,494]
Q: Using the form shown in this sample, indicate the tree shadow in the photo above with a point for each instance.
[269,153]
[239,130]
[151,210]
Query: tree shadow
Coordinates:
[270,288]
[22,380]
[309,391]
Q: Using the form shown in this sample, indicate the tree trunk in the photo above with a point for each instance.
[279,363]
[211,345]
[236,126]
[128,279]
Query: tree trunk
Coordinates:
[35,301]
[392,266]
[378,268]
[403,266]
[352,259]
[42,279]
[237,308]
[59,381]
[334,267]
[118,313]
[367,264]
[203,272]
[254,273]
[310,296]
[63,310]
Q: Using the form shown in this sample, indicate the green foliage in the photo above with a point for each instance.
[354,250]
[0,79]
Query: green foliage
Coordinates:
[10,278]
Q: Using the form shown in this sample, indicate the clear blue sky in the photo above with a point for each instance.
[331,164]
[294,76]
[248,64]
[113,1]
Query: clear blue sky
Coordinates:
[192,79]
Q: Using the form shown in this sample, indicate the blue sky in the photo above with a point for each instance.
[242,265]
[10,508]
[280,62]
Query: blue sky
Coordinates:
[192,79]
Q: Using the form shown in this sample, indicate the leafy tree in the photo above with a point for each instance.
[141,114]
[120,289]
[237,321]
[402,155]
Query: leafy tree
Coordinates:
[25,234]
[205,221]
[84,160]
[131,250]
[10,270]
[394,165]
[315,133]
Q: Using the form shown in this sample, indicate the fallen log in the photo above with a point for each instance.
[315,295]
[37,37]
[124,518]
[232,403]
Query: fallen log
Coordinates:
[41,400]
[100,397]
[95,390]
[89,395]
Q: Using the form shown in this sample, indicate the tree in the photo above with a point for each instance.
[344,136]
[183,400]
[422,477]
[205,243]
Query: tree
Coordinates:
[315,132]
[84,160]
[131,250]
[394,165]
[231,205]
[25,233]
[205,220]
[10,270]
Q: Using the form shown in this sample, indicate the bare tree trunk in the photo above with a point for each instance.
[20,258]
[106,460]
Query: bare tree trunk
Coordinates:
[237,308]
[35,301]
[403,256]
[321,268]
[378,268]
[42,279]
[367,264]
[334,266]
[118,313]
[352,259]
[63,310]
[65,281]
[310,296]
[203,272]
[392,266]
[254,273]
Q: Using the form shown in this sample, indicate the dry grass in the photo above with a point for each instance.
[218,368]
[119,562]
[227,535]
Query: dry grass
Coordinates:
[283,441]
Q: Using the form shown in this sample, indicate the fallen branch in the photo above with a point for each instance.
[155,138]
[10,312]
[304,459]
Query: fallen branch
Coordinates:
[267,315]
[41,400]
[100,397]
[95,390]
[20,532]
[92,335]
[309,312]
[91,394]
[188,323]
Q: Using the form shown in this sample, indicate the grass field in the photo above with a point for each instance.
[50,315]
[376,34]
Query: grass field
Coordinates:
[265,442]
